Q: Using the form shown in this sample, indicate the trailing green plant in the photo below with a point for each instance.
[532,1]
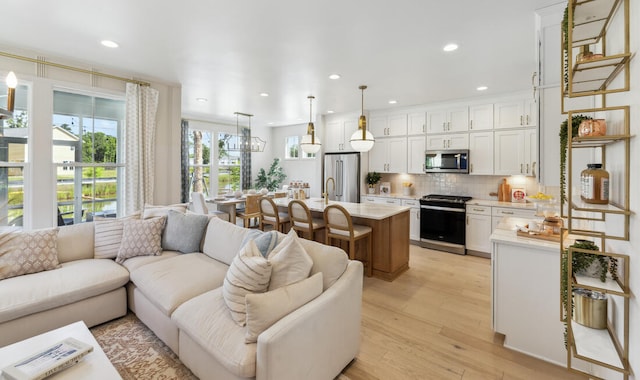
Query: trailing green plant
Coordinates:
[372,178]
[564,145]
[272,179]
[581,262]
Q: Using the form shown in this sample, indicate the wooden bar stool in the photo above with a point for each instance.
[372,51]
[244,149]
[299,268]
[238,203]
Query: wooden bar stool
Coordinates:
[301,220]
[270,215]
[339,226]
[251,210]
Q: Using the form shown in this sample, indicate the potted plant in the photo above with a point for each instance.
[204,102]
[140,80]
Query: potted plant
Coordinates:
[564,145]
[273,179]
[372,179]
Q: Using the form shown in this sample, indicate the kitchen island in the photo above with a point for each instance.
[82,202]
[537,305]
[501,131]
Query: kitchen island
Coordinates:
[390,232]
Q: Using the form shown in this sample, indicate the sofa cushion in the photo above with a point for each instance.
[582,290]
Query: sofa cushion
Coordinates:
[107,238]
[265,309]
[223,240]
[249,273]
[141,238]
[152,211]
[265,241]
[134,263]
[290,262]
[206,320]
[170,282]
[331,261]
[71,282]
[75,242]
[24,252]
[183,232]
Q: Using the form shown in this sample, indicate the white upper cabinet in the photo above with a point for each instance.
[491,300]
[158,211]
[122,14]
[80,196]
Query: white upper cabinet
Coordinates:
[415,154]
[388,155]
[417,123]
[516,152]
[388,125]
[481,117]
[481,153]
[446,142]
[515,114]
[338,133]
[448,120]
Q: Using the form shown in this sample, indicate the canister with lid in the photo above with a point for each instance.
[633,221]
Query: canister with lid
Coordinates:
[594,184]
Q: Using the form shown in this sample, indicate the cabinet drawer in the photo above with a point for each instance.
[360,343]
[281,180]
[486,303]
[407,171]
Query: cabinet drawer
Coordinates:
[411,202]
[478,210]
[368,199]
[390,201]
[517,212]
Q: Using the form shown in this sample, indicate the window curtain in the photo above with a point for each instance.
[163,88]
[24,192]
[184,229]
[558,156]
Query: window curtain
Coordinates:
[184,162]
[139,152]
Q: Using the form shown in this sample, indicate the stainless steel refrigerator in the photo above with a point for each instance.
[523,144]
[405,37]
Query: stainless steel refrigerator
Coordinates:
[344,168]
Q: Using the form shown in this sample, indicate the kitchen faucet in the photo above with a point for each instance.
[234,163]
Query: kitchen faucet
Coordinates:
[326,189]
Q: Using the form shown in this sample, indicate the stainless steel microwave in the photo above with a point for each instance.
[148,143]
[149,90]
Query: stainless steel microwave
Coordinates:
[446,161]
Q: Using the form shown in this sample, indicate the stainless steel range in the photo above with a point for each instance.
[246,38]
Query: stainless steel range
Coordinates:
[442,222]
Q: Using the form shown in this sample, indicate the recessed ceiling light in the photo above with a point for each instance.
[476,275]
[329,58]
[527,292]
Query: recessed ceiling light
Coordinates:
[450,47]
[334,76]
[270,123]
[109,43]
[330,111]
[393,101]
[202,100]
[264,94]
[482,88]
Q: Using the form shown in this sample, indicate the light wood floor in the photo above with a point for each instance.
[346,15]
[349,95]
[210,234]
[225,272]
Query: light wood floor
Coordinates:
[434,322]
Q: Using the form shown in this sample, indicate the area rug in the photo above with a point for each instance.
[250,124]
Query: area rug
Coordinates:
[137,353]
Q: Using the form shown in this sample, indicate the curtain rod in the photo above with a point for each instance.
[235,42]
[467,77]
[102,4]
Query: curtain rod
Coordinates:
[72,68]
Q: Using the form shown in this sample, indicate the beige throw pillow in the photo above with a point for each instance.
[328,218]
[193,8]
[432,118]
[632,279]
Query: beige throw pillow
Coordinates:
[265,309]
[28,252]
[141,238]
[107,238]
[152,211]
[290,262]
[249,273]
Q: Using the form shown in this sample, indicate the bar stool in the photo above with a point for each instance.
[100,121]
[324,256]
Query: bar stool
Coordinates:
[301,220]
[251,210]
[340,226]
[270,215]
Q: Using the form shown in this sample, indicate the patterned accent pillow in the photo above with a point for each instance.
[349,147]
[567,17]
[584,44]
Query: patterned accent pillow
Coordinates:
[291,262]
[249,273]
[141,238]
[107,238]
[28,252]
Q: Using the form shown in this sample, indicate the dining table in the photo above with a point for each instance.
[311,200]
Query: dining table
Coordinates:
[228,205]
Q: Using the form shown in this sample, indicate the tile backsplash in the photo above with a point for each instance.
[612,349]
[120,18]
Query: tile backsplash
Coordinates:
[478,187]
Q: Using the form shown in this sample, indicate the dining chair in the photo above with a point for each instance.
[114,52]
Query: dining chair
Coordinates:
[302,221]
[339,226]
[270,215]
[200,206]
[251,210]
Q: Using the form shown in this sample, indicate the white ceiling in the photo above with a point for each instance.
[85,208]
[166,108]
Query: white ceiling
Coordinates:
[230,51]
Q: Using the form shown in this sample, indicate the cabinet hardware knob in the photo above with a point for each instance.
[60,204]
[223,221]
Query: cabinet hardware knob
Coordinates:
[521,167]
[527,168]
[507,212]
[470,124]
[521,119]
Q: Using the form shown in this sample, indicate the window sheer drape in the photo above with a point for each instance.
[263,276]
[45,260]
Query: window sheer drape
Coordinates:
[139,152]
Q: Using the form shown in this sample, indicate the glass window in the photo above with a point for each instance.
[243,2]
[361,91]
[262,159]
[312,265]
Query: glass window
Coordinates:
[292,147]
[14,152]
[86,145]
[228,163]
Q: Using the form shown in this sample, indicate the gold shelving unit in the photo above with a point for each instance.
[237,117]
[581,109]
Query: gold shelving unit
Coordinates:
[589,21]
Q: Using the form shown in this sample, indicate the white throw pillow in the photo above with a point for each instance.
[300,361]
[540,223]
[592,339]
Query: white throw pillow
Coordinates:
[152,211]
[290,262]
[265,309]
[107,238]
[249,273]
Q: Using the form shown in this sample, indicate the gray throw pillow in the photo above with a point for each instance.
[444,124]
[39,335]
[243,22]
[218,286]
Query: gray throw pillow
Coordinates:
[183,232]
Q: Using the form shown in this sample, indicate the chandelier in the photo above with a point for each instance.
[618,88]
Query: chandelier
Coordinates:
[243,141]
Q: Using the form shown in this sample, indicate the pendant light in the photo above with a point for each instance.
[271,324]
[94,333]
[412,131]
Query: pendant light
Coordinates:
[12,82]
[362,140]
[310,143]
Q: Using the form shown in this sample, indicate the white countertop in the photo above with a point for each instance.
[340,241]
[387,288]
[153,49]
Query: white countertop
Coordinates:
[492,203]
[394,195]
[505,233]
[359,210]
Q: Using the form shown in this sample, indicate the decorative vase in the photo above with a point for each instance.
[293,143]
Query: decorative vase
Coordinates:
[372,190]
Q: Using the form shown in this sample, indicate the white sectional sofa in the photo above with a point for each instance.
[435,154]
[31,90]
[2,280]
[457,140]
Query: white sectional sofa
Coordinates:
[179,296]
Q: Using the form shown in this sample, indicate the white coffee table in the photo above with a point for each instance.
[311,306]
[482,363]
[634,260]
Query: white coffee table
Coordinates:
[95,365]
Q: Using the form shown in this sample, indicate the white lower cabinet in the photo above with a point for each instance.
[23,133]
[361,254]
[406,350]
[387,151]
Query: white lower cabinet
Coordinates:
[478,228]
[500,212]
[414,218]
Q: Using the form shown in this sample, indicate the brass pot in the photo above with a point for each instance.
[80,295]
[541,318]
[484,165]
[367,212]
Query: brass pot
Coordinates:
[590,308]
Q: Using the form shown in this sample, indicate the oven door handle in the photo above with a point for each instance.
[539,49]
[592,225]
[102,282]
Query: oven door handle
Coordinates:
[442,208]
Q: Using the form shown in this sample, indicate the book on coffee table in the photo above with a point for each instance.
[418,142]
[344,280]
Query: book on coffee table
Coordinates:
[45,363]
